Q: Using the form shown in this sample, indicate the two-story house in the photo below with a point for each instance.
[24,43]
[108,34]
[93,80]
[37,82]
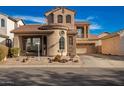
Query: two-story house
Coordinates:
[61,35]
[7,24]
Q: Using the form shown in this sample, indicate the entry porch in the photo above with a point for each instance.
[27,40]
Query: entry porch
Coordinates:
[31,45]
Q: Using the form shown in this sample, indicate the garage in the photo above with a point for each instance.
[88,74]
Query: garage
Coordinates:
[86,48]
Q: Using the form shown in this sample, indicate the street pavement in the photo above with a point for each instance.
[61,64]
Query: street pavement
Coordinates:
[94,70]
[62,76]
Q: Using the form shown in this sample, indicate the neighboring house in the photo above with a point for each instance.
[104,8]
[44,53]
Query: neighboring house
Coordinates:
[113,44]
[7,24]
[62,35]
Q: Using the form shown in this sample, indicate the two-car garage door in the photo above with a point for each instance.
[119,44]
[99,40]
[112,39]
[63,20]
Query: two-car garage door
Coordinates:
[85,48]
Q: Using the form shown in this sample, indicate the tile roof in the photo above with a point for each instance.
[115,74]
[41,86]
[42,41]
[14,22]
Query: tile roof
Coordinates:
[30,29]
[82,22]
[37,28]
[91,36]
[26,28]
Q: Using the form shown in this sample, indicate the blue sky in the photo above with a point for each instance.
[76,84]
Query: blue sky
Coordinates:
[101,18]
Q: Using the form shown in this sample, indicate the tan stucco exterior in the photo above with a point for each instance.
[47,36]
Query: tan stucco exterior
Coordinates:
[111,45]
[53,43]
[64,12]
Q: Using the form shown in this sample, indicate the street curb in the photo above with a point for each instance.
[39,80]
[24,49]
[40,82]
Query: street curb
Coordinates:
[32,66]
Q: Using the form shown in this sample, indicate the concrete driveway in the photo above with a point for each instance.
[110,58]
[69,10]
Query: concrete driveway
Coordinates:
[102,61]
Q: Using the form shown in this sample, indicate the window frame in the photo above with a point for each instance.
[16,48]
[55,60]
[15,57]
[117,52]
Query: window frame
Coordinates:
[2,22]
[62,43]
[60,19]
[68,18]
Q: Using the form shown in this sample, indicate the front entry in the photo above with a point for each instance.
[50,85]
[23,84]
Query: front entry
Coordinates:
[34,44]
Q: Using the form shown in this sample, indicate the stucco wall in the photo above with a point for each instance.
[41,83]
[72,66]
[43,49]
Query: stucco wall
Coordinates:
[10,26]
[111,45]
[53,43]
[3,30]
[20,23]
[2,40]
[71,48]
[16,41]
[66,12]
[122,42]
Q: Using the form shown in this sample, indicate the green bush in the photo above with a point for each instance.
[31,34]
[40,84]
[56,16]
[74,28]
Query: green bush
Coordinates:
[3,52]
[15,52]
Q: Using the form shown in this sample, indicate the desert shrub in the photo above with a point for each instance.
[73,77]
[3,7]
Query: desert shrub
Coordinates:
[3,52]
[15,52]
[57,58]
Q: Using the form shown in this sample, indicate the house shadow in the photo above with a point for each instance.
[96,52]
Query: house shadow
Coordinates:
[52,78]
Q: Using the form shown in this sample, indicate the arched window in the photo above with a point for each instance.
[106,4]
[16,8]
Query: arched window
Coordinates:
[68,19]
[60,19]
[2,23]
[62,43]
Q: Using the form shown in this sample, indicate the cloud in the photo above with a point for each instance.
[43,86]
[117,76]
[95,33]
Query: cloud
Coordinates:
[31,18]
[95,26]
[89,18]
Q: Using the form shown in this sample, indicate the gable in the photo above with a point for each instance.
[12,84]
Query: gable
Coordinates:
[60,10]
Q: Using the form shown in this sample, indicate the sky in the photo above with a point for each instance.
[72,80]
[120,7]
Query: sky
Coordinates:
[101,18]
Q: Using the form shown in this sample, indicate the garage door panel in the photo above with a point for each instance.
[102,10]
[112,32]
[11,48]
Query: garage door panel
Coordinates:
[85,49]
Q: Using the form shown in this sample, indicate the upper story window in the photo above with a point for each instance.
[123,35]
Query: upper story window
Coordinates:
[2,23]
[68,19]
[80,31]
[60,19]
[62,43]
